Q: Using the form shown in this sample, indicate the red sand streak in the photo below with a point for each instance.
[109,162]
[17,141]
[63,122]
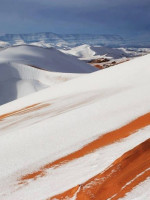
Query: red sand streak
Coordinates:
[120,178]
[102,141]
[66,195]
[98,66]
[23,110]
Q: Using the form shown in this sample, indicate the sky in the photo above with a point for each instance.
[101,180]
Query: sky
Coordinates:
[125,17]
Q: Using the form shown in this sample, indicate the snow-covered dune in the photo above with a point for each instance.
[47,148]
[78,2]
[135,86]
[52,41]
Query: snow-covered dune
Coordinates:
[19,80]
[27,69]
[83,52]
[87,138]
[89,52]
[49,59]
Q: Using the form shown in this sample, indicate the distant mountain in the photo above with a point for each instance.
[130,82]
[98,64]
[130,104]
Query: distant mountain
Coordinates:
[92,39]
[60,40]
[13,39]
[72,40]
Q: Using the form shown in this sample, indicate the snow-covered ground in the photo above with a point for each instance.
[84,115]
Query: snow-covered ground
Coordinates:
[27,69]
[88,52]
[83,52]
[46,138]
[48,59]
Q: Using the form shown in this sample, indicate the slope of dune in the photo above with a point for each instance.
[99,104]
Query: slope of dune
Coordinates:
[83,52]
[48,59]
[87,138]
[27,69]
[19,80]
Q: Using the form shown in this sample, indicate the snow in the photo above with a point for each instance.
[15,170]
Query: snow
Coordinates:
[79,111]
[84,52]
[20,76]
[4,44]
[140,192]
[18,80]
[89,52]
[41,44]
[72,40]
[62,39]
[106,83]
[48,59]
[78,171]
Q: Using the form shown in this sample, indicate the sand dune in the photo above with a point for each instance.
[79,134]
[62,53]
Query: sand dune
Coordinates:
[120,178]
[104,140]
[87,138]
[28,69]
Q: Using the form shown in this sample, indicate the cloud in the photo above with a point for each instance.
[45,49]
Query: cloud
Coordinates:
[99,16]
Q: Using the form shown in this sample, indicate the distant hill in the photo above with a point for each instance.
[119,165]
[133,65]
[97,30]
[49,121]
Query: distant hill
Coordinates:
[72,40]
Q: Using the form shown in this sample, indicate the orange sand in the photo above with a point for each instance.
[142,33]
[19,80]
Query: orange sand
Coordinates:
[102,141]
[23,110]
[120,178]
[98,66]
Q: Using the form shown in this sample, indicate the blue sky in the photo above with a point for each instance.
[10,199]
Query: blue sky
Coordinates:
[127,17]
